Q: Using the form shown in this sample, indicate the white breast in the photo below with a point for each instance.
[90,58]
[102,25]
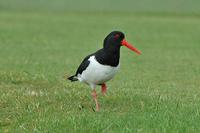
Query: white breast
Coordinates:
[97,73]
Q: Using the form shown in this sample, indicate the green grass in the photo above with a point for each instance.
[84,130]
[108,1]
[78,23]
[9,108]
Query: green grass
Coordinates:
[158,91]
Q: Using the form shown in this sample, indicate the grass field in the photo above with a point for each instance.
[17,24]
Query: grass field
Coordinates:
[158,91]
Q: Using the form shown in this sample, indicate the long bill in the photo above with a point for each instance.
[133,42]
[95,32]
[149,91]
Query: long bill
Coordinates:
[128,45]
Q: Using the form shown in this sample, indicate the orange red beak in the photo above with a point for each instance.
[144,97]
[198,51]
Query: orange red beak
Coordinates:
[128,45]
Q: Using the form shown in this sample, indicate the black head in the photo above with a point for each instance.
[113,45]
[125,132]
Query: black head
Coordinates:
[113,39]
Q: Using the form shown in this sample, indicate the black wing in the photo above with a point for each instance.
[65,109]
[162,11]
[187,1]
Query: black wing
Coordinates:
[84,64]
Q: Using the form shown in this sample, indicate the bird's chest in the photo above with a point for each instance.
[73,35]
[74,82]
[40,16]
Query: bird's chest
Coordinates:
[98,73]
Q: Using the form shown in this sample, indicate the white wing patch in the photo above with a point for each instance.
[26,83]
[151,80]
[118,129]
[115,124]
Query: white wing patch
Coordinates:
[97,73]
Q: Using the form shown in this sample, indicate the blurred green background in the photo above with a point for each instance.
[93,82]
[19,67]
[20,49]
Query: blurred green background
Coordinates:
[43,41]
[159,6]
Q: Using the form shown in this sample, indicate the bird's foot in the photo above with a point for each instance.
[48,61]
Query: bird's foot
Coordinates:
[94,95]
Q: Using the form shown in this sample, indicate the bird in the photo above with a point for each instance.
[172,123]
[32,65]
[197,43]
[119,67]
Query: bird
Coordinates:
[102,65]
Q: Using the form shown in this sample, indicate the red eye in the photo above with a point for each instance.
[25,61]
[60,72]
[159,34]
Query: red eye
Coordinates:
[116,36]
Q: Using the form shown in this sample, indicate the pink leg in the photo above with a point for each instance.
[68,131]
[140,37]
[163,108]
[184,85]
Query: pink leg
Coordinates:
[94,95]
[103,89]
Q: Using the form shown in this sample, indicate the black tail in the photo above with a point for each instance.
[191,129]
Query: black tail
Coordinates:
[72,78]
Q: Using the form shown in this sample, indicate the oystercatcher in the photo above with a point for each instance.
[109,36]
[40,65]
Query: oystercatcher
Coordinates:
[101,66]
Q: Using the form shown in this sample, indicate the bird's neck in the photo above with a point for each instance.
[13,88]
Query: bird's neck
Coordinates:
[108,56]
[112,56]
